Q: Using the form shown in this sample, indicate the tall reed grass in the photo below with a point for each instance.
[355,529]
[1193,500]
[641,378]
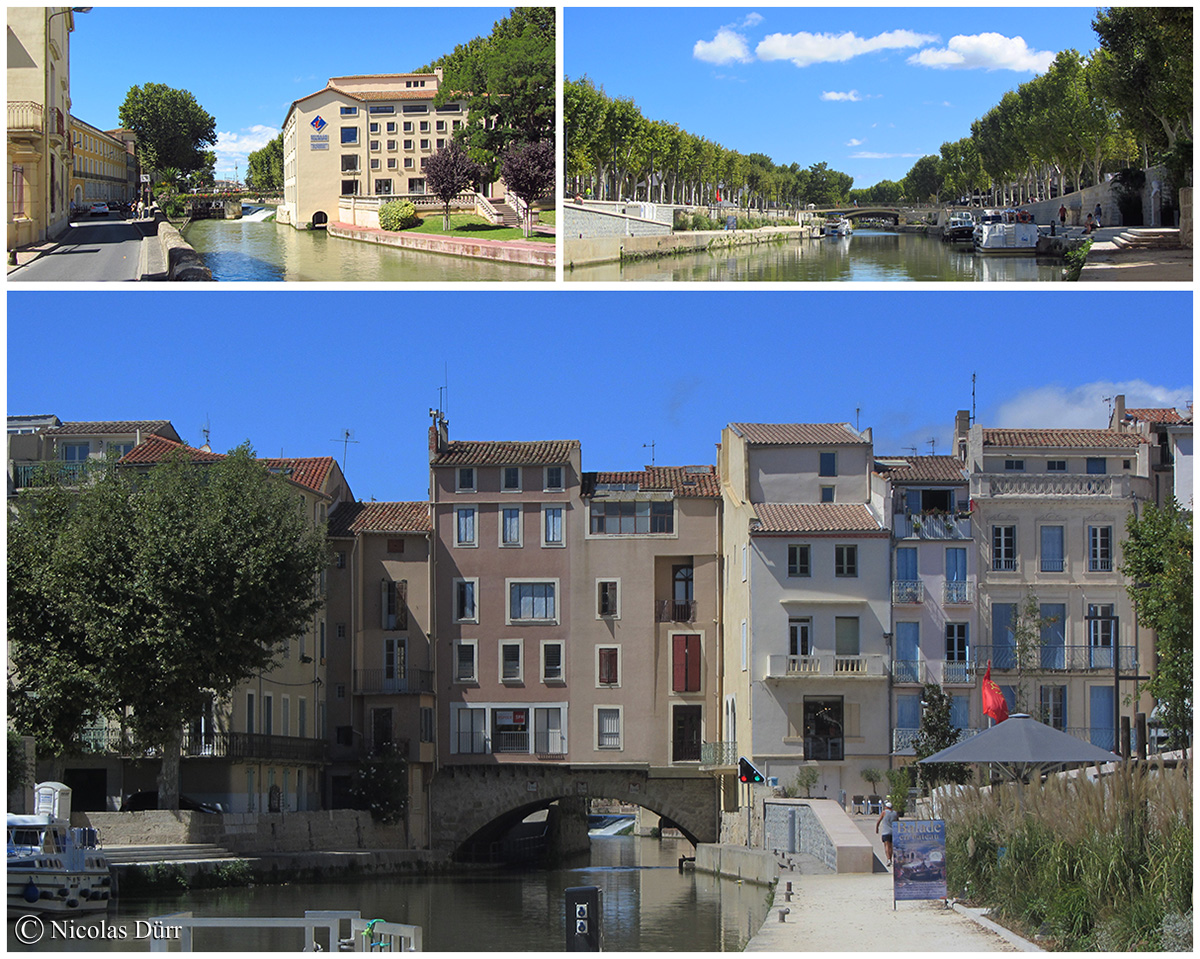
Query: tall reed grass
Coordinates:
[1094,864]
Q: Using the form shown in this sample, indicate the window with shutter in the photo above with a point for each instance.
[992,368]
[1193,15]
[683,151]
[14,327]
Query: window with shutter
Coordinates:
[686,664]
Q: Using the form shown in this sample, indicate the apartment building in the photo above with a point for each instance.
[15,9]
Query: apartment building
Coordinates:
[1169,431]
[39,107]
[933,589]
[806,602]
[99,169]
[380,665]
[645,610]
[1049,508]
[362,136]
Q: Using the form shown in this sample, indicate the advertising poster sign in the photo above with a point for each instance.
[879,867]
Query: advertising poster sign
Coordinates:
[918,859]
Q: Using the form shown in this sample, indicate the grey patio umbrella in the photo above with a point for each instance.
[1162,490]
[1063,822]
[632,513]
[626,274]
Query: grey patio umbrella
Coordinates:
[1021,744]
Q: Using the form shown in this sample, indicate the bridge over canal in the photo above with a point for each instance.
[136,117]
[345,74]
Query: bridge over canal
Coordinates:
[479,804]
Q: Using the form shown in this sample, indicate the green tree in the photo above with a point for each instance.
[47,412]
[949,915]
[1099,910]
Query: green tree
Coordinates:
[528,172]
[1158,564]
[583,113]
[447,173]
[264,168]
[923,181]
[171,127]
[162,589]
[937,732]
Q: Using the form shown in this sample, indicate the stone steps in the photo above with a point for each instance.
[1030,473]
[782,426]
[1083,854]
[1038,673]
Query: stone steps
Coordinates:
[187,852]
[1148,239]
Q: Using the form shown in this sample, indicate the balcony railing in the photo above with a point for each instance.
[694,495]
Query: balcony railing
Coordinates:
[371,681]
[826,665]
[48,471]
[25,116]
[671,611]
[111,740]
[1053,657]
[932,526]
[908,671]
[510,742]
[908,591]
[1102,736]
[956,594]
[1117,486]
[956,672]
[718,754]
[902,737]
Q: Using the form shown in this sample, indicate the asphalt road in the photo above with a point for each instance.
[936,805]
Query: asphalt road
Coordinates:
[94,249]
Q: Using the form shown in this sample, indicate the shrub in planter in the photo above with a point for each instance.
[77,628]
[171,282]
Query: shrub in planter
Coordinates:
[398,215]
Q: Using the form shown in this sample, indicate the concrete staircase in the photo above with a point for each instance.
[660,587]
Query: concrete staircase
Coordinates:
[1147,238]
[185,852]
[511,217]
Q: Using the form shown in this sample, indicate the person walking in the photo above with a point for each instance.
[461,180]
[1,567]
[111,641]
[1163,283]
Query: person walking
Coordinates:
[886,818]
[1062,216]
[1097,216]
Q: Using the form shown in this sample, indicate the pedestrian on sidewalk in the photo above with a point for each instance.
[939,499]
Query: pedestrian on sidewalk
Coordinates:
[1098,211]
[887,817]
[1062,216]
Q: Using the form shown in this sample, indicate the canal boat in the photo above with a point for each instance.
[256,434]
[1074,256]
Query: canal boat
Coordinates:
[52,868]
[1005,232]
[838,226]
[960,226]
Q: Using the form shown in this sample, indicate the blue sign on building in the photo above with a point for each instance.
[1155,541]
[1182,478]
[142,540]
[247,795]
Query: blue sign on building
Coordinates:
[318,124]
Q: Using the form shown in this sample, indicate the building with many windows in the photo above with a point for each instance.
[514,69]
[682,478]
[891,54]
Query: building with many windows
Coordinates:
[362,136]
[39,108]
[100,170]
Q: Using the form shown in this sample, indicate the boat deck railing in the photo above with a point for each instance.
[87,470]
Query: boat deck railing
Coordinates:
[322,929]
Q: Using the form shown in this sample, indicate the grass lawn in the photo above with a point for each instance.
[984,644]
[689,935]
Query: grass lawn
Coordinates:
[470,225]
[547,217]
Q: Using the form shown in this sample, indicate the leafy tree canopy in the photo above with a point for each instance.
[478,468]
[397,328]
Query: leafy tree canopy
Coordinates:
[1158,564]
[448,172]
[264,168]
[528,170]
[171,127]
[937,732]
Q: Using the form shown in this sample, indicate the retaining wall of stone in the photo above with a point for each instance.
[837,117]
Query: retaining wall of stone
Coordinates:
[737,862]
[542,255]
[820,828]
[183,262]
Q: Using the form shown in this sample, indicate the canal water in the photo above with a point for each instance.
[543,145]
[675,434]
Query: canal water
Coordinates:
[866,256]
[648,906]
[258,250]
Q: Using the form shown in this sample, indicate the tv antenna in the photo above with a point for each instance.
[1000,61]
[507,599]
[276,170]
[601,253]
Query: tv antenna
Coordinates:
[345,439]
[857,410]
[206,429]
[650,446]
[932,441]
[972,397]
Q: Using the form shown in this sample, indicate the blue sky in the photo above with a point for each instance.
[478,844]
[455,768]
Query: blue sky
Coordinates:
[867,90]
[290,370]
[245,65]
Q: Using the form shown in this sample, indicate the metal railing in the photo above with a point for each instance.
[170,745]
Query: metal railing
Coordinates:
[25,116]
[718,754]
[956,672]
[369,681]
[1054,657]
[510,742]
[903,737]
[670,611]
[906,591]
[49,471]
[825,664]
[908,671]
[932,526]
[200,744]
[956,594]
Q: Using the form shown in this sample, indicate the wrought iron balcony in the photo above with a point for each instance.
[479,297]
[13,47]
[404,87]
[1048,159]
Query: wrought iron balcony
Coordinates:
[908,671]
[954,672]
[200,744]
[908,592]
[372,681]
[956,594]
[1045,658]
[825,666]
[48,472]
[718,755]
[672,611]
[931,526]
[903,737]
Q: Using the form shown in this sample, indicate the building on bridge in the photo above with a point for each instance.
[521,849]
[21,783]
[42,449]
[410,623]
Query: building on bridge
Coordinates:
[39,107]
[366,137]
[806,604]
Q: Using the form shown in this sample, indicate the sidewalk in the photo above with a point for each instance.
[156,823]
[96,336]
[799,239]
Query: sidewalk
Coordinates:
[1119,254]
[151,266]
[853,913]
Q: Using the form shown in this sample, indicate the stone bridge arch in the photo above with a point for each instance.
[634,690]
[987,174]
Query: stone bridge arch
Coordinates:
[467,800]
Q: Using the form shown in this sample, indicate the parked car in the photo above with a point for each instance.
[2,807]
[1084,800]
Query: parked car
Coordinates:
[148,799]
[99,209]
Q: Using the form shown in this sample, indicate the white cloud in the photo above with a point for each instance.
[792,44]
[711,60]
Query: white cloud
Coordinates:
[853,95]
[804,49]
[1082,407]
[728,46]
[752,20]
[863,155]
[232,147]
[985,51]
[855,143]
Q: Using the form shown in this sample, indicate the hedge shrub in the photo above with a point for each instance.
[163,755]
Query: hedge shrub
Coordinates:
[398,215]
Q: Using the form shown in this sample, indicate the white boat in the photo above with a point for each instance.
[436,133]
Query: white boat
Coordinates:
[838,226]
[1005,232]
[960,226]
[53,868]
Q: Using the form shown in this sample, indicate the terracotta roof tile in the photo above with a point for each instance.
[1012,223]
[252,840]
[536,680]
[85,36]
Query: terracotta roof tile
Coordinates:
[798,434]
[504,453]
[1060,439]
[923,469]
[307,471]
[700,481]
[1155,415]
[111,426]
[154,449]
[813,518]
[365,95]
[351,518]
[310,471]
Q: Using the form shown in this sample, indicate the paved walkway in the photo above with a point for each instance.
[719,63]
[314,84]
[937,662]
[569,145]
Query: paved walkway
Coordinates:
[1108,261]
[854,913]
[152,266]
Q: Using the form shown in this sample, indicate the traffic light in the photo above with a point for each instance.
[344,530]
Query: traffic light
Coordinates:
[747,773]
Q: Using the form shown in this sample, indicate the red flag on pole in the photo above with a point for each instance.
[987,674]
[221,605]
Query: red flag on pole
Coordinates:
[993,700]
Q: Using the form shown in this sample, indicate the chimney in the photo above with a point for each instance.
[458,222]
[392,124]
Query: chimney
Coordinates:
[1118,413]
[439,435]
[962,426]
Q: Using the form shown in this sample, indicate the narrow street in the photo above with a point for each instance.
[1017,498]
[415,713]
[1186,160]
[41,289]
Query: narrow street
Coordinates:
[92,250]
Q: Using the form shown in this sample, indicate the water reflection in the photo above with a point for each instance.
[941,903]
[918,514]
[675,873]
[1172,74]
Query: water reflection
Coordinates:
[648,906]
[867,256]
[266,251]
